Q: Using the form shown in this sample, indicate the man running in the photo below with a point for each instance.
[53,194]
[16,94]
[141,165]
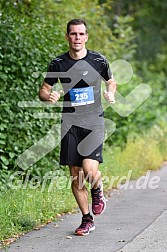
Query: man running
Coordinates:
[80,73]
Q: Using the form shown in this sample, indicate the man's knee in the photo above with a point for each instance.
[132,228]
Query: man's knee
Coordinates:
[75,170]
[77,175]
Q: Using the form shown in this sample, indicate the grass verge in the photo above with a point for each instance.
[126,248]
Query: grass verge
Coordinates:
[141,153]
[23,209]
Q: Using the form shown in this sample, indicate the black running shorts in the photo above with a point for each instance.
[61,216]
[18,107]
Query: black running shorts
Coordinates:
[80,143]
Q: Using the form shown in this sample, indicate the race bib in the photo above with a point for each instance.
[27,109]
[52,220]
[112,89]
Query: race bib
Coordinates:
[81,96]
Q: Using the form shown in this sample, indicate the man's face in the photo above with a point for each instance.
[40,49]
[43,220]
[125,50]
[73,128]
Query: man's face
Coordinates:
[77,37]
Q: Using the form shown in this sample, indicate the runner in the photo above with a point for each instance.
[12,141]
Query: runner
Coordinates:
[82,128]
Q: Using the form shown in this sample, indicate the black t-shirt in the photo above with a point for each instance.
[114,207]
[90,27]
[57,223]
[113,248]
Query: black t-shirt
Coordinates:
[81,81]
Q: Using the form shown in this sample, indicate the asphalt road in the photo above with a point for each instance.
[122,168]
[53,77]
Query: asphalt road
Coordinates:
[135,220]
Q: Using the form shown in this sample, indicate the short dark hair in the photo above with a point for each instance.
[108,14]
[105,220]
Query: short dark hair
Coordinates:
[76,22]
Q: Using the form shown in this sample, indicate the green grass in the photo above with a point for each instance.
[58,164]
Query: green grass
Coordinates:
[141,153]
[23,209]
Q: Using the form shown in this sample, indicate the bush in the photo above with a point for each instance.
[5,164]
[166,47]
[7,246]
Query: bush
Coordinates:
[30,41]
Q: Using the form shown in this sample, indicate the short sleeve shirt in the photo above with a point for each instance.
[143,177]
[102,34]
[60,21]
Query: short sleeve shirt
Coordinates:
[81,81]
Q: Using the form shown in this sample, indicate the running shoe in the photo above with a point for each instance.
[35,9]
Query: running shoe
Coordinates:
[86,226]
[98,200]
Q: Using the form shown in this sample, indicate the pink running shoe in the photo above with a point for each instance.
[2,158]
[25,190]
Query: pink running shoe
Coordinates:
[98,200]
[86,226]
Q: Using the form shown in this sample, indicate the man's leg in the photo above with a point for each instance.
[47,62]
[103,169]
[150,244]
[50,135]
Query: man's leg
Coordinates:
[79,189]
[81,195]
[91,171]
[93,175]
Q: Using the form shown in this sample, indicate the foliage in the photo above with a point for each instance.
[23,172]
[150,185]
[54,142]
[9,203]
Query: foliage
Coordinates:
[142,152]
[149,25]
[30,41]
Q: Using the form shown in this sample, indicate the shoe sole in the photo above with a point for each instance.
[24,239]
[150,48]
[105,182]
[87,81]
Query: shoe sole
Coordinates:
[83,234]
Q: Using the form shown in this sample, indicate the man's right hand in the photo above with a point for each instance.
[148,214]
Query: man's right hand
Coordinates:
[55,96]
[47,94]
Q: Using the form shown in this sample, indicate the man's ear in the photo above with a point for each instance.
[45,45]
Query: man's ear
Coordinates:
[86,38]
[67,37]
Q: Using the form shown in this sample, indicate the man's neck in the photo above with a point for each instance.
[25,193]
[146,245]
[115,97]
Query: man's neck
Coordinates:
[78,55]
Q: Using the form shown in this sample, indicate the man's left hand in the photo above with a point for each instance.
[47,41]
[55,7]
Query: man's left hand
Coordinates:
[109,96]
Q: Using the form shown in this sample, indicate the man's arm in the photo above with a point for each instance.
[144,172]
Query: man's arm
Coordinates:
[46,94]
[109,93]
